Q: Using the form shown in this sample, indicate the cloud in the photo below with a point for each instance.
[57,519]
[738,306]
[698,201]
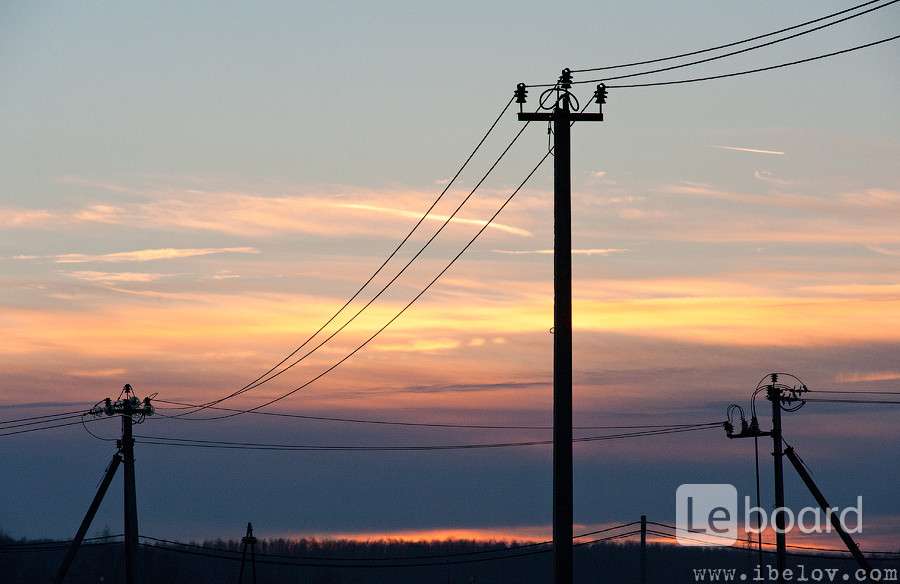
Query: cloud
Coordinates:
[598,173]
[438,218]
[24,217]
[91,276]
[752,150]
[863,377]
[575,251]
[419,346]
[146,255]
[97,372]
[883,250]
[769,177]
[99,214]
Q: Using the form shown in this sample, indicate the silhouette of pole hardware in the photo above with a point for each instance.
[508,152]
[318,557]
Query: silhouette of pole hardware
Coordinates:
[248,541]
[562,116]
[788,398]
[133,411]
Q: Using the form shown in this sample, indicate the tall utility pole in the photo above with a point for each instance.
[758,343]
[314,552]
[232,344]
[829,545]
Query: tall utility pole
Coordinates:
[774,395]
[562,117]
[133,411]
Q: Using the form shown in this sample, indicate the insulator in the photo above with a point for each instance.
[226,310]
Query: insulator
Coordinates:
[600,94]
[565,79]
[521,93]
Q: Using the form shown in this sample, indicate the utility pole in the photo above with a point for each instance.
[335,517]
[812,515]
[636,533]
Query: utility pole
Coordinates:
[248,540]
[774,395]
[783,397]
[643,549]
[562,116]
[133,411]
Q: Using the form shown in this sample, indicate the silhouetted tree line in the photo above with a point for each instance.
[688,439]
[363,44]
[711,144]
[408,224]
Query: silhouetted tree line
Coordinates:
[606,562]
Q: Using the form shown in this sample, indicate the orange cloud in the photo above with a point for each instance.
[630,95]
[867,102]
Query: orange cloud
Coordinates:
[10,218]
[436,217]
[146,255]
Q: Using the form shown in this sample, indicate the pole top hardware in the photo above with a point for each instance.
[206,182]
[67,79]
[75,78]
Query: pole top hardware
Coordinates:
[127,404]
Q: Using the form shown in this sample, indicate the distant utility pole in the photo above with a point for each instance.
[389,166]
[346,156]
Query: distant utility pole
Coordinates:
[248,541]
[132,410]
[562,116]
[643,549]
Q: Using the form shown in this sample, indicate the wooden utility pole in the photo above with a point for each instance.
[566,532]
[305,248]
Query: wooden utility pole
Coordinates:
[132,410]
[562,117]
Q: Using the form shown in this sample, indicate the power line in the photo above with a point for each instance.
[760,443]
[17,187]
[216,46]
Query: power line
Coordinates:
[747,549]
[55,543]
[851,401]
[738,52]
[406,307]
[39,422]
[379,565]
[501,549]
[758,70]
[426,424]
[861,392]
[49,427]
[770,543]
[4,422]
[727,45]
[227,445]
[260,381]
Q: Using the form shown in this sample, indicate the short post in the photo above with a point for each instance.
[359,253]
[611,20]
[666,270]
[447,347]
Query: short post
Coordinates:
[643,549]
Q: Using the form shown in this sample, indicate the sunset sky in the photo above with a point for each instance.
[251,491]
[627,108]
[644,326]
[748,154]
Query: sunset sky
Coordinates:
[191,189]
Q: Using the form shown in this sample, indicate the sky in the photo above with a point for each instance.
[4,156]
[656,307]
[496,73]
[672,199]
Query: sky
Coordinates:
[191,189]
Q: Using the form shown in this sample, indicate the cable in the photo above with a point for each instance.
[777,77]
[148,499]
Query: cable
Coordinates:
[51,544]
[398,565]
[4,422]
[260,381]
[771,552]
[392,280]
[852,401]
[859,392]
[771,543]
[410,303]
[397,558]
[428,424]
[738,52]
[725,46]
[48,427]
[222,444]
[38,422]
[749,71]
